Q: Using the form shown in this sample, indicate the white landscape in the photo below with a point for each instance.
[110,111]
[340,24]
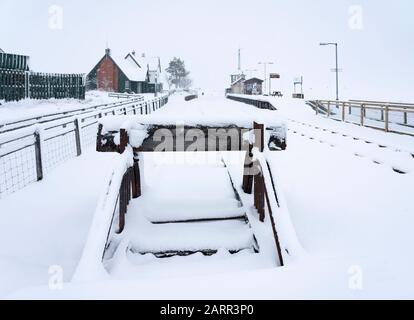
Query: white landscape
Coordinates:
[335,177]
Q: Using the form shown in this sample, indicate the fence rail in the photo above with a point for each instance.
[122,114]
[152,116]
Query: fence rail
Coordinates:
[14,61]
[126,96]
[394,117]
[27,154]
[26,122]
[16,85]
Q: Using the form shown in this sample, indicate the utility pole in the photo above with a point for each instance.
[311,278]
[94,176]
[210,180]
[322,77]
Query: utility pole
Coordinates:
[336,62]
[239,64]
[265,73]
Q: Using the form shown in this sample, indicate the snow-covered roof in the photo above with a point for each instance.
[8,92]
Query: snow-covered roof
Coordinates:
[130,68]
[152,63]
[1,51]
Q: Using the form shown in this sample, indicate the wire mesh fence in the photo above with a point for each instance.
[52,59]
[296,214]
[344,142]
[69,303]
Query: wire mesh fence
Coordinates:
[57,150]
[17,170]
[27,153]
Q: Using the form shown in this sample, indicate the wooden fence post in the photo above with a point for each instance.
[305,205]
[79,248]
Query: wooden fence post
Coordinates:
[343,112]
[248,168]
[38,157]
[136,185]
[122,206]
[386,118]
[329,109]
[362,114]
[259,136]
[77,138]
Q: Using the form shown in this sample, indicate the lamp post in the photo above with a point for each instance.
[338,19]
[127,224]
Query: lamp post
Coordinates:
[336,69]
[265,72]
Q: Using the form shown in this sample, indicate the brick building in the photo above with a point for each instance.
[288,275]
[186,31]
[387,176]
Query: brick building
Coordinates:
[127,74]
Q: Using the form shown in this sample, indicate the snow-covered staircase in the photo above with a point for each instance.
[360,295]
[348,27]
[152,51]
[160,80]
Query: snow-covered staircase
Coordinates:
[186,210]
[184,239]
[185,213]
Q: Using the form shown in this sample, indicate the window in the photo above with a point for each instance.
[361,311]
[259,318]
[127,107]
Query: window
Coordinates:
[127,85]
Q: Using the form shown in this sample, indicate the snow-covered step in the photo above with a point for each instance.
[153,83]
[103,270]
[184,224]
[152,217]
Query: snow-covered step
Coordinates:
[161,210]
[181,182]
[231,235]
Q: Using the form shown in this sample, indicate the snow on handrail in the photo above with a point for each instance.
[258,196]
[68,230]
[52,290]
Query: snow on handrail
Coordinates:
[325,107]
[90,266]
[279,214]
[24,122]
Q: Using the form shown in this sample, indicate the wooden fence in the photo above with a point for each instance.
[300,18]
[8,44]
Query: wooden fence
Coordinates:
[327,107]
[29,151]
[14,62]
[17,84]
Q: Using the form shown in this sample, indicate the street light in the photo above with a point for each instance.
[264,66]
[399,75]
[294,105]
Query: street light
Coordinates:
[265,72]
[336,69]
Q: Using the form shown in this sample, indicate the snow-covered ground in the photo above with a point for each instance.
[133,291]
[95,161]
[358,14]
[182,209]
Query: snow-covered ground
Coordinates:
[47,223]
[31,108]
[347,188]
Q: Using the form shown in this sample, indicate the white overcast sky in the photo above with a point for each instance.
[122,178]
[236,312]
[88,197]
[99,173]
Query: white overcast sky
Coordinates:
[377,59]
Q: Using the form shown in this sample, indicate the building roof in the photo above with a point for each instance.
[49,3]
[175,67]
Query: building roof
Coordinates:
[253,80]
[152,64]
[128,66]
[1,51]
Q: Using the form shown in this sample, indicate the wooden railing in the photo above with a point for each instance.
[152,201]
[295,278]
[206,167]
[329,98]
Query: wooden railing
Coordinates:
[135,105]
[326,107]
[123,185]
[138,97]
[262,190]
[130,188]
[43,143]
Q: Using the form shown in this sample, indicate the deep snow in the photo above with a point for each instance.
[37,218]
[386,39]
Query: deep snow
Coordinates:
[352,216]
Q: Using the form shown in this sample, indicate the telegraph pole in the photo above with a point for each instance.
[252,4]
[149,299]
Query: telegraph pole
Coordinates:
[336,62]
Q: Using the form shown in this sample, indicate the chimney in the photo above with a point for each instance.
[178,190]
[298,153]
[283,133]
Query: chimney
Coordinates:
[108,52]
[133,53]
[143,55]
